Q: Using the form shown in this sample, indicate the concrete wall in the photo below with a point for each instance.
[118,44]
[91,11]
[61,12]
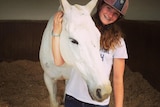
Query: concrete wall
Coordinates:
[43,9]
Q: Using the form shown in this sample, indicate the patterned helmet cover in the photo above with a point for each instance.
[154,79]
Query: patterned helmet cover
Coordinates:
[120,5]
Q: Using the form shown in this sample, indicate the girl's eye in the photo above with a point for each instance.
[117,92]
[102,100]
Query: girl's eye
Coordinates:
[108,7]
[117,14]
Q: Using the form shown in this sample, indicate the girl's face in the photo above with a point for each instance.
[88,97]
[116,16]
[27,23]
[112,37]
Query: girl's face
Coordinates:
[108,14]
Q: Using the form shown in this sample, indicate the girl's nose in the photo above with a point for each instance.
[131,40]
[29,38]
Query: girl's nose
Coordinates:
[110,14]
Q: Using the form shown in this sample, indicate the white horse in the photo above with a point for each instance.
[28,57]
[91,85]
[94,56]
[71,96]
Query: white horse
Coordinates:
[79,45]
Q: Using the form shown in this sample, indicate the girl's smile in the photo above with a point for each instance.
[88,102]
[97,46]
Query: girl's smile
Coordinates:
[108,14]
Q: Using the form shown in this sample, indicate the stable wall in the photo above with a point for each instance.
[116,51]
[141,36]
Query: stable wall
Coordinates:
[21,40]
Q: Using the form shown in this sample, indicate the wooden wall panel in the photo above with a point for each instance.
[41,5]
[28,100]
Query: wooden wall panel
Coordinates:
[20,39]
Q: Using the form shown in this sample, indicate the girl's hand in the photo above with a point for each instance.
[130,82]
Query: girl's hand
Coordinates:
[57,23]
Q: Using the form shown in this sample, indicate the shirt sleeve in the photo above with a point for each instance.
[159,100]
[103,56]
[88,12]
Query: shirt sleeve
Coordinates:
[121,50]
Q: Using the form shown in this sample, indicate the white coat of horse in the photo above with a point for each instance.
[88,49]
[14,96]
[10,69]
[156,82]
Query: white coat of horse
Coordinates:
[79,45]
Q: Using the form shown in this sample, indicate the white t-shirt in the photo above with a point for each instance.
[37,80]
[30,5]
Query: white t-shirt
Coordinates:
[77,87]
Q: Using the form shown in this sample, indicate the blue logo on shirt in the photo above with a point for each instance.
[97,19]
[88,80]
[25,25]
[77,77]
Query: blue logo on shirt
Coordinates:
[102,56]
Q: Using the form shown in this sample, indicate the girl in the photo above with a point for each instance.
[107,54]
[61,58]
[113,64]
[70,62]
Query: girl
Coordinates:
[113,53]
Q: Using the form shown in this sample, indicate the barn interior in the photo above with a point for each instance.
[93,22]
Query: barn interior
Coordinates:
[20,43]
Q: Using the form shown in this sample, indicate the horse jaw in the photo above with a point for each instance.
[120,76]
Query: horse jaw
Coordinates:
[99,86]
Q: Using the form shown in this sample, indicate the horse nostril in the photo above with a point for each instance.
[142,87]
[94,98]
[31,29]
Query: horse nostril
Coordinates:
[98,92]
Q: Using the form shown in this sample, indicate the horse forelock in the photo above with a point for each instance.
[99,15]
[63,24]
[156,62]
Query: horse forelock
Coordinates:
[81,29]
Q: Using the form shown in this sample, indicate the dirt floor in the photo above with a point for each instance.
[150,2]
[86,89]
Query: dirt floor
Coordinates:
[22,85]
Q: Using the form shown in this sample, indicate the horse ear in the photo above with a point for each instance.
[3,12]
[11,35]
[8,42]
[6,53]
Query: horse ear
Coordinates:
[90,6]
[60,8]
[64,5]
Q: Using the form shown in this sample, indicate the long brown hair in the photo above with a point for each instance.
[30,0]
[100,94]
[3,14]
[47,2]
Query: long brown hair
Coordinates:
[110,34]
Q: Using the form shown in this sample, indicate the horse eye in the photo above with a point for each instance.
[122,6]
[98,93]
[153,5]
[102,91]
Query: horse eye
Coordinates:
[74,41]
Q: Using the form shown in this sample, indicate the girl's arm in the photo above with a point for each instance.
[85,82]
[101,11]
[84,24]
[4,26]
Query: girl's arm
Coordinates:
[57,28]
[118,85]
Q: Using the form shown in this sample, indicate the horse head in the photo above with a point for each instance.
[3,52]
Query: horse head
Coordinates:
[80,45]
